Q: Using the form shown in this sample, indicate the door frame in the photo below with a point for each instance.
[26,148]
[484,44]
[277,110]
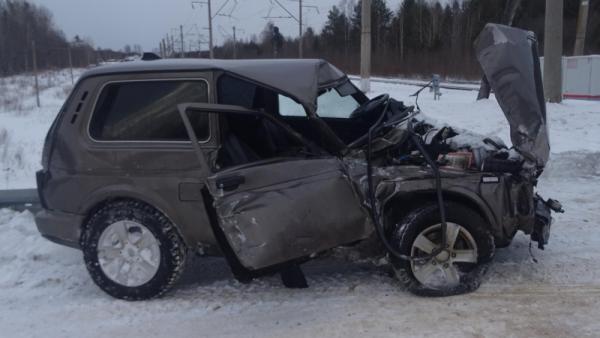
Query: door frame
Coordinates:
[240,270]
[232,109]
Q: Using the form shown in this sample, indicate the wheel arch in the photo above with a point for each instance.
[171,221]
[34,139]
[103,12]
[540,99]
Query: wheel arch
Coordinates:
[408,201]
[110,194]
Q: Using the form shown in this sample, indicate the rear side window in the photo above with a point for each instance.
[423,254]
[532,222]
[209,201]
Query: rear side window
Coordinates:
[147,111]
[235,91]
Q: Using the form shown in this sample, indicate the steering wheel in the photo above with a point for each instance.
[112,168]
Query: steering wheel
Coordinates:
[369,108]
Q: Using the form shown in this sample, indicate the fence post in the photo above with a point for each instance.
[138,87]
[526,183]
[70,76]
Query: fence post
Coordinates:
[365,47]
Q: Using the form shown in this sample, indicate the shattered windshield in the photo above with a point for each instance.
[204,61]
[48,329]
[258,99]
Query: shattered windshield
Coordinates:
[332,104]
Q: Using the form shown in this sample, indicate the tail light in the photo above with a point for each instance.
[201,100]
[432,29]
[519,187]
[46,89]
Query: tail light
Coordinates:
[42,178]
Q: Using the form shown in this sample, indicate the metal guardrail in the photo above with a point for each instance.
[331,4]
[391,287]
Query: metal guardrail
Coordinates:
[20,199]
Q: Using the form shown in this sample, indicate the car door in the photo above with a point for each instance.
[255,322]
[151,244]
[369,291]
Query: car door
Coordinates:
[276,210]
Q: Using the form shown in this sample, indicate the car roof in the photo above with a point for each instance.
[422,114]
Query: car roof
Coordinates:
[300,79]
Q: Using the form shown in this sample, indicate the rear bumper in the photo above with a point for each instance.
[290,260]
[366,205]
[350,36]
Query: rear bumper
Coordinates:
[59,227]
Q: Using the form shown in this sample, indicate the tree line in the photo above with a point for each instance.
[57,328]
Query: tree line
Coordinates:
[419,37]
[23,25]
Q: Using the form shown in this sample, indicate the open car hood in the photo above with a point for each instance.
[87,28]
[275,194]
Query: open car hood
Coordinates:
[509,58]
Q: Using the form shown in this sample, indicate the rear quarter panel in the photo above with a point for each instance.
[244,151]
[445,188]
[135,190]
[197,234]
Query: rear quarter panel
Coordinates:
[84,172]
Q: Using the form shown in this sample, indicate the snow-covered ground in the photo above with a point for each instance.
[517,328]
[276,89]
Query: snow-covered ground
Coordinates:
[45,290]
[23,125]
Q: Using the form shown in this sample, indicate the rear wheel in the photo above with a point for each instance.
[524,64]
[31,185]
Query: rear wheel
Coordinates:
[132,251]
[455,270]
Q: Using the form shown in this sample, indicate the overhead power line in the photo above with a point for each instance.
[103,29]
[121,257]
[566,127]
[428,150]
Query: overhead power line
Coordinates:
[212,16]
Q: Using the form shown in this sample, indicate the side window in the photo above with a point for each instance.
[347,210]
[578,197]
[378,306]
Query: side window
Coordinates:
[147,111]
[236,92]
[289,107]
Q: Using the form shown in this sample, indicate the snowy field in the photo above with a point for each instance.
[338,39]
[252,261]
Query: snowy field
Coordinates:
[45,290]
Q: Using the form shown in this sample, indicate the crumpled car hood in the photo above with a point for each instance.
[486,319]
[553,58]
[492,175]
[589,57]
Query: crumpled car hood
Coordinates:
[509,59]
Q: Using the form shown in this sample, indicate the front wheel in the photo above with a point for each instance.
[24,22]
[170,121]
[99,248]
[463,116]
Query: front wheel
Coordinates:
[455,270]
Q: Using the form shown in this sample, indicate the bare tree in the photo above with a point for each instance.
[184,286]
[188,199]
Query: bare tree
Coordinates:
[21,22]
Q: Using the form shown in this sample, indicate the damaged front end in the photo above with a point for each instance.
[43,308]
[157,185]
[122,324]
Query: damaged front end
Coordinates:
[510,61]
[407,155]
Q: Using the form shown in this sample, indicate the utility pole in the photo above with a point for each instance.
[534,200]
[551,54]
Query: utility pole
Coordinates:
[553,35]
[71,64]
[421,22]
[346,39]
[211,52]
[234,44]
[182,41]
[211,17]
[582,20]
[300,51]
[402,36]
[167,47]
[365,47]
[26,50]
[35,73]
[173,46]
[87,57]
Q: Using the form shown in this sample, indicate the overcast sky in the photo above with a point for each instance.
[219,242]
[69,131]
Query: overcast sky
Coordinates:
[115,23]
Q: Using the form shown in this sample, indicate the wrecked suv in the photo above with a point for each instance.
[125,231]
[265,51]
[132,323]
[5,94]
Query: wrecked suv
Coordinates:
[270,163]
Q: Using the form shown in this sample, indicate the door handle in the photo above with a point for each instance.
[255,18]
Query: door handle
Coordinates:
[230,183]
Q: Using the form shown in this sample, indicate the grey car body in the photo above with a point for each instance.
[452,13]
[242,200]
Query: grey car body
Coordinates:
[270,210]
[80,173]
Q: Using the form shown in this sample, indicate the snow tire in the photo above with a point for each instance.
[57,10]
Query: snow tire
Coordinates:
[406,231]
[172,248]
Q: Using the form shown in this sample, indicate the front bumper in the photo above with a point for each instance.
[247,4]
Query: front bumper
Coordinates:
[59,227]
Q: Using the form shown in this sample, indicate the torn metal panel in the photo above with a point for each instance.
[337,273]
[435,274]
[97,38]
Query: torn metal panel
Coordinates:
[289,209]
[508,57]
[505,202]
